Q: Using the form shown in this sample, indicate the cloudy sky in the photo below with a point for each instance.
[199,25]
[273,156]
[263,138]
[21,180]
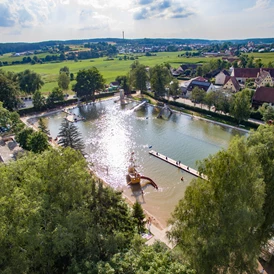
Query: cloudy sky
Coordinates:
[41,20]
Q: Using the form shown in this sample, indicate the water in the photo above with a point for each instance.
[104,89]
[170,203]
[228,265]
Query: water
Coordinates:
[112,132]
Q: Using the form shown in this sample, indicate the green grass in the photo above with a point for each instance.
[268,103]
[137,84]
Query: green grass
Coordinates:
[265,57]
[109,69]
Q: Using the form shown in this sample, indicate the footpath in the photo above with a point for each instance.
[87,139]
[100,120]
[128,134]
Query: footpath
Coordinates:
[159,235]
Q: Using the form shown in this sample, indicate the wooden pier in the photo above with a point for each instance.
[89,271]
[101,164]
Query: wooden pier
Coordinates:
[177,164]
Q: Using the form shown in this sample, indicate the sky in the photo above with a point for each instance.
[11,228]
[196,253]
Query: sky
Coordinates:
[43,20]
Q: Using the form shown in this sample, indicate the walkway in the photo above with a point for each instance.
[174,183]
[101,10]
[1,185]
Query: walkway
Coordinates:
[177,164]
[159,235]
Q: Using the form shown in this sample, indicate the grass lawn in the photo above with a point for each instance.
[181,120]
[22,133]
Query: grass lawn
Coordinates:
[265,57]
[112,68]
[109,69]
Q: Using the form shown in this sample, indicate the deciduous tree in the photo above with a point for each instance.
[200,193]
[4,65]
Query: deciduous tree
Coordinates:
[160,77]
[30,81]
[138,76]
[63,81]
[240,107]
[8,92]
[217,221]
[56,218]
[267,111]
[88,81]
[38,100]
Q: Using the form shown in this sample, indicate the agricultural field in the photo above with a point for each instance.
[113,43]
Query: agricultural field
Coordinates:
[109,69]
[8,57]
[265,57]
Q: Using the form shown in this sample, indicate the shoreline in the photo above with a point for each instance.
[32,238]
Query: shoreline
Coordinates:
[129,199]
[130,202]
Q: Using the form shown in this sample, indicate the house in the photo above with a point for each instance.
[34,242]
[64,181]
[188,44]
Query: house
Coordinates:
[199,78]
[212,73]
[242,74]
[263,79]
[177,72]
[221,77]
[231,84]
[206,86]
[263,95]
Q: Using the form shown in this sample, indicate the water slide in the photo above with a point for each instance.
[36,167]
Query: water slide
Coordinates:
[141,104]
[152,182]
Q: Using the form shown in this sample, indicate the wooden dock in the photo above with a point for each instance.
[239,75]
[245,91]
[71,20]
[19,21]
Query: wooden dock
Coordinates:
[177,164]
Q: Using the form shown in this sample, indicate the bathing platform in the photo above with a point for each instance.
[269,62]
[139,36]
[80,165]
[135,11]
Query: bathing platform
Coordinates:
[177,164]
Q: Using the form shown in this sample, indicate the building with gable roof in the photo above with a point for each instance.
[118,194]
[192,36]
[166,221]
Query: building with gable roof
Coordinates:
[242,74]
[263,95]
[206,86]
[263,79]
[221,77]
[231,84]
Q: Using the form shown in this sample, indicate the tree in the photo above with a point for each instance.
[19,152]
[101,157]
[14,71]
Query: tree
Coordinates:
[56,217]
[37,142]
[65,69]
[123,81]
[23,136]
[199,71]
[56,95]
[88,81]
[71,76]
[138,76]
[63,81]
[198,95]
[138,216]
[42,127]
[10,120]
[29,81]
[174,89]
[209,99]
[216,222]
[70,137]
[267,111]
[159,79]
[141,258]
[8,92]
[261,143]
[240,107]
[38,100]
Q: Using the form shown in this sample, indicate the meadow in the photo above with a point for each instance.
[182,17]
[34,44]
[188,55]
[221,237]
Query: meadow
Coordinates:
[110,69]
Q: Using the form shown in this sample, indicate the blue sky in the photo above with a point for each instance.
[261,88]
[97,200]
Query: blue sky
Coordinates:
[41,20]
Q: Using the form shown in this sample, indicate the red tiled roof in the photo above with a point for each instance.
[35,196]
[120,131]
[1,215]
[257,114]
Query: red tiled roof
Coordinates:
[200,78]
[264,94]
[251,72]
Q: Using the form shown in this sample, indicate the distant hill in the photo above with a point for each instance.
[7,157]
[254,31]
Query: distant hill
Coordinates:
[22,47]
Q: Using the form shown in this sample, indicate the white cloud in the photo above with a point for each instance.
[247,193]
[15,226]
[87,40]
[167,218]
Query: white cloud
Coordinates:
[167,9]
[260,4]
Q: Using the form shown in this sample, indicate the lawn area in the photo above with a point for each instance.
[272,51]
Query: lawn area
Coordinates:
[109,69]
[266,57]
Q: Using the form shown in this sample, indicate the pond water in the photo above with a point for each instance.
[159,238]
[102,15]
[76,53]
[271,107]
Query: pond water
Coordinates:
[112,132]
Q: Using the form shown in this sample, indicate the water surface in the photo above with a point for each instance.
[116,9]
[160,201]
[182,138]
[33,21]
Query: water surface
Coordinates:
[112,132]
